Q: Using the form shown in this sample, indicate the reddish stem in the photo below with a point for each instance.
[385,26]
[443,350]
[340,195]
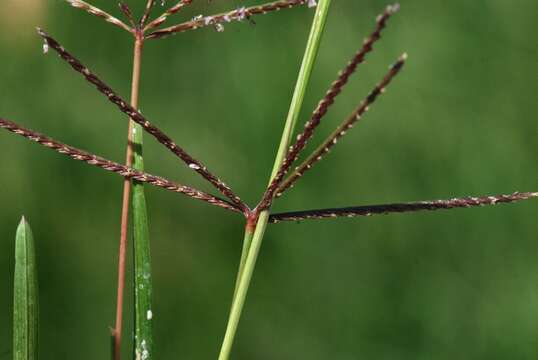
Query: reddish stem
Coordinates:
[137,59]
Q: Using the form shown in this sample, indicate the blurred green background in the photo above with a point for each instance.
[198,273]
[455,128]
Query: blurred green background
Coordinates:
[460,120]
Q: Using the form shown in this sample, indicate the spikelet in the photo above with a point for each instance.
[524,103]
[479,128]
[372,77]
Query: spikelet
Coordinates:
[79,4]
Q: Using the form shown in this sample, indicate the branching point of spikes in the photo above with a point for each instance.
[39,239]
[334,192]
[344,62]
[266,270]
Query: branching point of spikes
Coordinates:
[401,207]
[142,121]
[114,167]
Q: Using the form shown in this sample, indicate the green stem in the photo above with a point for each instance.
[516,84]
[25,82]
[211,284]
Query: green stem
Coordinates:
[252,245]
[247,240]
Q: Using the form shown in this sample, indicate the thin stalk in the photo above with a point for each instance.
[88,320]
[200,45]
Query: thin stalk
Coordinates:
[247,240]
[135,85]
[309,58]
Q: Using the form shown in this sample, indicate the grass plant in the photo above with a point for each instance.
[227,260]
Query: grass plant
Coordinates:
[257,219]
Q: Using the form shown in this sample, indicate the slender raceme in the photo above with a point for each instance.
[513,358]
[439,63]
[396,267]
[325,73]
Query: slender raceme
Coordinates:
[114,167]
[137,117]
[384,209]
[126,10]
[342,129]
[219,19]
[79,4]
[171,11]
[147,12]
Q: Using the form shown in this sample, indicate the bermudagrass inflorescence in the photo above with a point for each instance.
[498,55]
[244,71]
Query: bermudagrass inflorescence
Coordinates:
[258,216]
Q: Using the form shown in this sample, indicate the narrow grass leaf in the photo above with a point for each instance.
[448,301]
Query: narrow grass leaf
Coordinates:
[25,300]
[142,258]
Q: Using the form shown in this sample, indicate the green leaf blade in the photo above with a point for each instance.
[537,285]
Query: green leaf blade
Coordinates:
[142,259]
[25,299]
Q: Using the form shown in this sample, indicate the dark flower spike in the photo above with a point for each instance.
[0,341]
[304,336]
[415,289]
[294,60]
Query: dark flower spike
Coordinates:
[341,130]
[142,121]
[219,19]
[171,11]
[325,103]
[400,208]
[114,167]
[127,12]
[79,4]
[147,12]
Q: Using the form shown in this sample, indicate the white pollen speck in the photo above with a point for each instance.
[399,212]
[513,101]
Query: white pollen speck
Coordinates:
[312,3]
[197,17]
[194,166]
[219,27]
[45,47]
[241,13]
[149,315]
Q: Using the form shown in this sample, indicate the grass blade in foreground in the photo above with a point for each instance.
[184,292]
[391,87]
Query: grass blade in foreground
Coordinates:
[253,249]
[142,272]
[25,304]
[141,244]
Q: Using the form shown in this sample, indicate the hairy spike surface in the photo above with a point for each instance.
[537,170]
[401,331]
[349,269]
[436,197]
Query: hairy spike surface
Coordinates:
[114,167]
[325,103]
[219,19]
[342,129]
[79,4]
[137,117]
[171,11]
[403,207]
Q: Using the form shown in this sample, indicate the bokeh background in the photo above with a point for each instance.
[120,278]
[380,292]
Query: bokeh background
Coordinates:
[460,120]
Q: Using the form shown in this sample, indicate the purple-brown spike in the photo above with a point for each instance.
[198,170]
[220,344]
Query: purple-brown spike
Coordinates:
[127,12]
[79,4]
[400,208]
[114,167]
[142,121]
[324,104]
[341,130]
[218,20]
[171,11]
[147,12]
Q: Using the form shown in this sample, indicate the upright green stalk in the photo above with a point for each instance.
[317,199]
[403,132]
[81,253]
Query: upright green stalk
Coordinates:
[25,299]
[253,249]
[142,261]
